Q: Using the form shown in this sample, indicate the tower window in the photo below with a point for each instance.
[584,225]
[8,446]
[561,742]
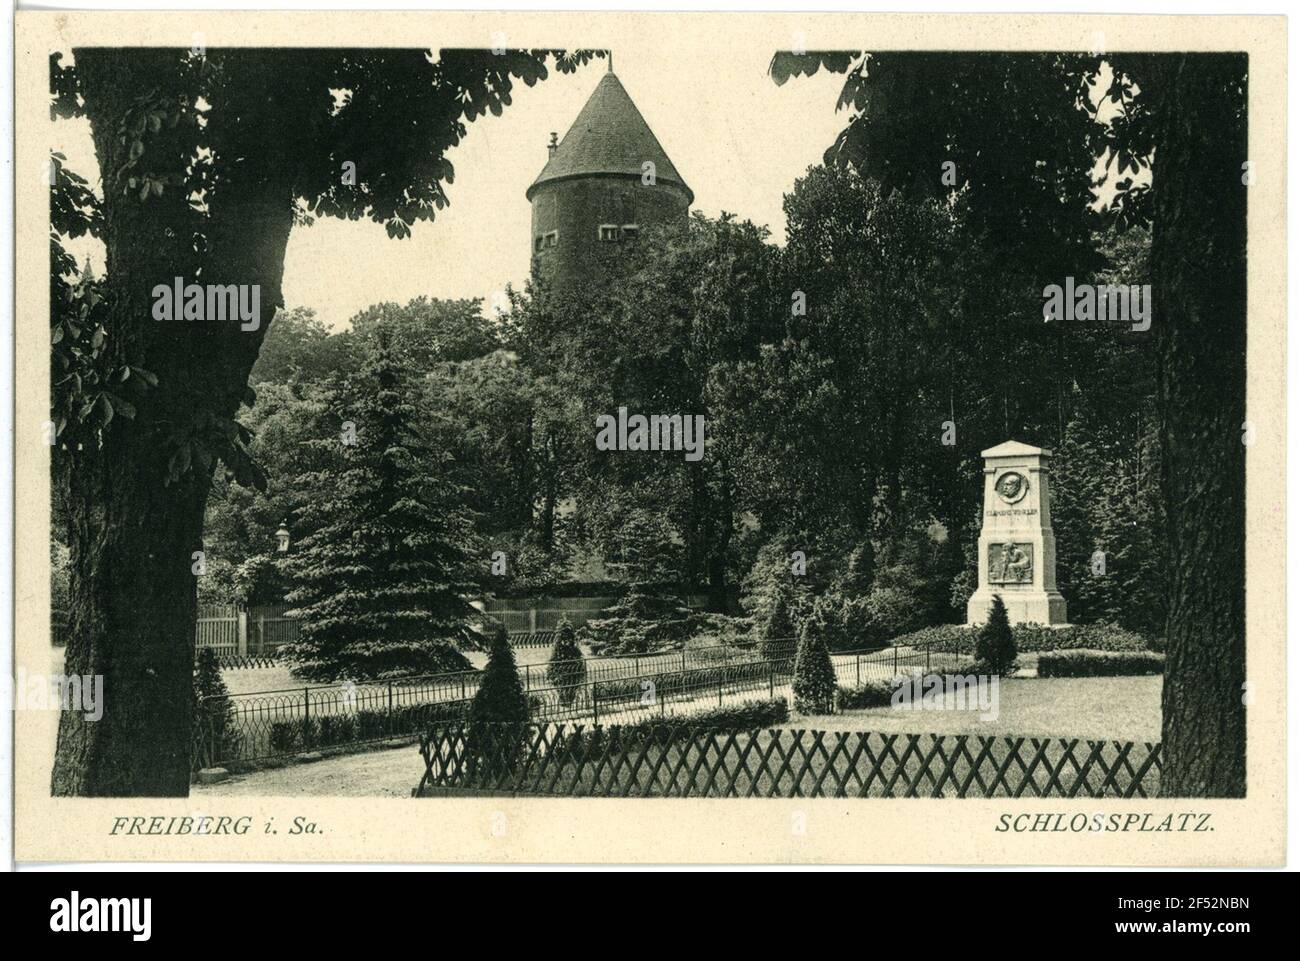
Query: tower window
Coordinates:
[608,233]
[552,238]
[631,231]
[538,242]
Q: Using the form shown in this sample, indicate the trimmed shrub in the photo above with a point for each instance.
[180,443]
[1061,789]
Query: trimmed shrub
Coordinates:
[1100,663]
[498,714]
[566,670]
[814,675]
[995,646]
[284,736]
[680,682]
[298,735]
[215,737]
[337,729]
[417,718]
[371,725]
[960,639]
[748,716]
[864,695]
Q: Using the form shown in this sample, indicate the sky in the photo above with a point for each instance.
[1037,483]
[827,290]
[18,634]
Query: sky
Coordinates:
[738,140]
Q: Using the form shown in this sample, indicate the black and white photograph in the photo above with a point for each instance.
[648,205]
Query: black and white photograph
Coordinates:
[778,415]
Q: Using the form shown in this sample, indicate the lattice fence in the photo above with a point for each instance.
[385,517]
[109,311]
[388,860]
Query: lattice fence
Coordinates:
[667,760]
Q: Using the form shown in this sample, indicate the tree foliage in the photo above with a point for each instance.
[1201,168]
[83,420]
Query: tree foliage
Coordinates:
[383,573]
[995,646]
[814,674]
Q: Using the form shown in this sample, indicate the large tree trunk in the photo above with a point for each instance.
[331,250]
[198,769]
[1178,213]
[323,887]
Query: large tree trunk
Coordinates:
[134,532]
[1199,289]
[132,622]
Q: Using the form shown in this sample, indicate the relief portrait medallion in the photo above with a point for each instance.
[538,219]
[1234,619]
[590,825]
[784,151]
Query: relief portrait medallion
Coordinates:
[1012,486]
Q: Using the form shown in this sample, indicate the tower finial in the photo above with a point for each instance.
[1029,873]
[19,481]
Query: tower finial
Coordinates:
[611,61]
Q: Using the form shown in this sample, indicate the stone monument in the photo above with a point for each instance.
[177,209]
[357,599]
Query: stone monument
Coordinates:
[1017,550]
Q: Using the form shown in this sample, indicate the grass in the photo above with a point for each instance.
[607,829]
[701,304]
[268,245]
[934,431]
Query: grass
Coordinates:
[1112,708]
[1119,708]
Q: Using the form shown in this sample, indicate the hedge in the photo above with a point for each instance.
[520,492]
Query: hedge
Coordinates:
[864,695]
[1084,663]
[330,730]
[672,683]
[747,716]
[960,639]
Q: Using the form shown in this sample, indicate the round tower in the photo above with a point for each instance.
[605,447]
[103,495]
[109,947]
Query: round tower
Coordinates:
[604,183]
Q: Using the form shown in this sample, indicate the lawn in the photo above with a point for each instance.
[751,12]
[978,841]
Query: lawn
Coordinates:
[1120,708]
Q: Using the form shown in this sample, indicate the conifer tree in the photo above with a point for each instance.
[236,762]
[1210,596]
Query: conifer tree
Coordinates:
[498,714]
[777,631]
[814,674]
[995,646]
[382,576]
[566,671]
[214,715]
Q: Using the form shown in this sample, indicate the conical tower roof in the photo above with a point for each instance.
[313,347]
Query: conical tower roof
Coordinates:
[609,138]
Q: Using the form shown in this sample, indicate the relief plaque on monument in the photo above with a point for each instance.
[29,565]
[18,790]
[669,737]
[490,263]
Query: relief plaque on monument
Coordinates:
[1011,563]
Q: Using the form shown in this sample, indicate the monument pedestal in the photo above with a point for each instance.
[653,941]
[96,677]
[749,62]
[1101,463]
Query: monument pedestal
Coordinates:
[1017,550]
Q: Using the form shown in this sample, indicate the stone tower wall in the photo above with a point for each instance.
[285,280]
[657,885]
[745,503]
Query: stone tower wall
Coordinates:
[576,209]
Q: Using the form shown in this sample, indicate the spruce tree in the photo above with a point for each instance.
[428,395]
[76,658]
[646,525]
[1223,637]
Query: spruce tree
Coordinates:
[995,646]
[814,674]
[498,714]
[566,671]
[382,576]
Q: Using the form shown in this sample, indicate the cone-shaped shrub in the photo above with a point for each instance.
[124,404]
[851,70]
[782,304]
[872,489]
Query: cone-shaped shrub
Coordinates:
[214,715]
[777,632]
[566,671]
[498,715]
[995,647]
[814,675]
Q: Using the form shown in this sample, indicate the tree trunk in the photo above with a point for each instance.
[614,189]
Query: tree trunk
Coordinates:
[1199,288]
[133,597]
[134,534]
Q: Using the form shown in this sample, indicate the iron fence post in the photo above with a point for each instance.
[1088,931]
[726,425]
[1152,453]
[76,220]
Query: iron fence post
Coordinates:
[771,681]
[595,705]
[927,660]
[392,721]
[895,658]
[857,667]
[306,715]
